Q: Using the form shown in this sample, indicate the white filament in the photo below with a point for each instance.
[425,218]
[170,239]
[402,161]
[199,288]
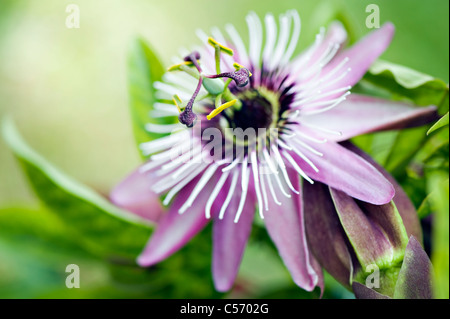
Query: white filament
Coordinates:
[294,38]
[302,60]
[167,154]
[263,189]
[238,43]
[163,128]
[320,63]
[215,193]
[269,162]
[181,159]
[313,84]
[272,191]
[255,36]
[151,165]
[257,185]
[284,145]
[283,170]
[230,194]
[164,106]
[199,187]
[320,96]
[202,36]
[296,167]
[310,138]
[308,147]
[168,182]
[325,109]
[232,165]
[171,90]
[162,143]
[244,185]
[322,129]
[324,103]
[182,184]
[271,30]
[165,113]
[195,160]
[306,159]
[285,21]
[180,79]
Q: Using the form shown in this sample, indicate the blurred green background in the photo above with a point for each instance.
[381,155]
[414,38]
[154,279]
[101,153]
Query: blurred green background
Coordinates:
[67,88]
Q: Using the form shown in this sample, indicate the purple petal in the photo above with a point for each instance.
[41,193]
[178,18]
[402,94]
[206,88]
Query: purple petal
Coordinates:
[286,228]
[404,205]
[363,114]
[230,239]
[318,270]
[174,229]
[362,292]
[346,171]
[414,279]
[326,236]
[361,55]
[368,240]
[135,195]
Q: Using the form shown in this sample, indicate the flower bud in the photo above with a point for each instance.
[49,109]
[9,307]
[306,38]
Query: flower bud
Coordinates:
[356,241]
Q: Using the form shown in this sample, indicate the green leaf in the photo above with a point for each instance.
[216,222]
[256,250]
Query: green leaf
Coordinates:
[439,198]
[435,146]
[25,224]
[432,157]
[144,69]
[442,122]
[407,144]
[405,83]
[185,273]
[35,248]
[99,226]
[30,270]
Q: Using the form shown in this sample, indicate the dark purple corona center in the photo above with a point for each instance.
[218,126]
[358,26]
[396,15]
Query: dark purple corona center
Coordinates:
[256,112]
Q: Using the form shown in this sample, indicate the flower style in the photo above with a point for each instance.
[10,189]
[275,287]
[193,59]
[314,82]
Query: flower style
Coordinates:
[301,108]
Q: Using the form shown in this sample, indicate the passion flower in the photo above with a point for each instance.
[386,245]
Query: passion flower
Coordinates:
[257,123]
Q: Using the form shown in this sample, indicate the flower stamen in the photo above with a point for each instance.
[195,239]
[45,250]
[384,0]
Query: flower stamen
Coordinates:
[174,99]
[222,48]
[178,66]
[220,109]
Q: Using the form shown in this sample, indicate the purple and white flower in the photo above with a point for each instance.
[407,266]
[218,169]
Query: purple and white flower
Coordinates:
[305,99]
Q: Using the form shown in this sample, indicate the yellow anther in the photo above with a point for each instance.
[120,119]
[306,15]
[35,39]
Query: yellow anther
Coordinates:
[176,67]
[237,66]
[178,98]
[223,48]
[220,109]
[174,99]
